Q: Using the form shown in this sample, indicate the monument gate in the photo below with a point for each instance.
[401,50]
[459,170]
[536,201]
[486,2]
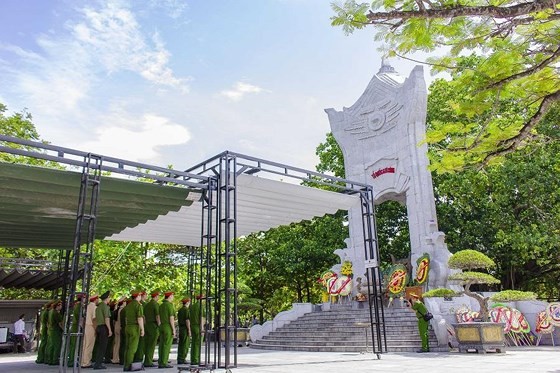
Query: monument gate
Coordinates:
[381,137]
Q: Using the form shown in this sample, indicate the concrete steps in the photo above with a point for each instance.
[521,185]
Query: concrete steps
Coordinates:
[343,329]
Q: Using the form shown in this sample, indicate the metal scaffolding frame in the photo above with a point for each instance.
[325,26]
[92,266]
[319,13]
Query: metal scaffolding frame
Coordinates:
[373,274]
[218,252]
[216,279]
[81,255]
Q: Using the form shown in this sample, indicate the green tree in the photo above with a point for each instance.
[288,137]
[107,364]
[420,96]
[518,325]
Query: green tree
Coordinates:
[123,266]
[282,265]
[518,47]
[18,124]
[467,260]
[21,125]
[509,211]
[255,269]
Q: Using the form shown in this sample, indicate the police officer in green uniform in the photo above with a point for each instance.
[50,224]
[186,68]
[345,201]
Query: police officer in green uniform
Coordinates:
[103,330]
[184,331]
[109,351]
[196,321]
[151,315]
[122,320]
[139,355]
[420,310]
[167,330]
[54,334]
[74,329]
[134,329]
[41,352]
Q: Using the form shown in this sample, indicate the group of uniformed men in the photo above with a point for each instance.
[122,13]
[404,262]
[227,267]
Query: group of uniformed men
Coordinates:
[124,332]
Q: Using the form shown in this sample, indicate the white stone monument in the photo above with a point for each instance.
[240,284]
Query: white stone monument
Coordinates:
[381,137]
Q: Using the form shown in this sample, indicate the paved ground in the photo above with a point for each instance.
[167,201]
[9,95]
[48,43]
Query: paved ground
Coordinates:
[526,359]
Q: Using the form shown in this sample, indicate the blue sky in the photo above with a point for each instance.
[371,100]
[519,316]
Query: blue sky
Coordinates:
[176,82]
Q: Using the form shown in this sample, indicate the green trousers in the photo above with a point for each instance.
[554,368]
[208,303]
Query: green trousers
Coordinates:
[53,348]
[165,341]
[196,341]
[132,337]
[41,352]
[139,355]
[183,345]
[423,329]
[150,342]
[122,347]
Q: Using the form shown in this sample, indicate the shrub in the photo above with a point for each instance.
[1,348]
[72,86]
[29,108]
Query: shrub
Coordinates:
[513,295]
[440,293]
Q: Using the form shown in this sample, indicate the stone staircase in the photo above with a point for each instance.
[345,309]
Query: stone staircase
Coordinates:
[343,329]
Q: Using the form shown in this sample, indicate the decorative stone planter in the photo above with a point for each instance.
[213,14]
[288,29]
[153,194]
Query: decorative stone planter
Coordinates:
[480,336]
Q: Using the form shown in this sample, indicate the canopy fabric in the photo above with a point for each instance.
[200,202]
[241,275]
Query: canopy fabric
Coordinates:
[38,205]
[261,204]
[38,208]
[31,279]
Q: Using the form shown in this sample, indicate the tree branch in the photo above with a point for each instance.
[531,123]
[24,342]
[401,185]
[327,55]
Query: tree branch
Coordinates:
[529,71]
[511,144]
[466,11]
[428,63]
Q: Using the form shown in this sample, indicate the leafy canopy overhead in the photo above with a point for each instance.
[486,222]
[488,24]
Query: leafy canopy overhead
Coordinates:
[515,47]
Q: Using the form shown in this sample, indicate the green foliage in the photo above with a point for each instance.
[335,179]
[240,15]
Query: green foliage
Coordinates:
[331,159]
[508,84]
[124,266]
[513,295]
[281,266]
[350,16]
[20,125]
[511,210]
[470,259]
[439,293]
[474,278]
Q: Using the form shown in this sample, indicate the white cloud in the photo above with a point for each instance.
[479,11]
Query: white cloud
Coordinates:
[239,90]
[113,37]
[61,78]
[136,138]
[173,8]
[101,42]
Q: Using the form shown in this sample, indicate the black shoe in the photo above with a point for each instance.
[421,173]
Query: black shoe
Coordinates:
[100,367]
[126,369]
[180,362]
[165,366]
[87,366]
[149,365]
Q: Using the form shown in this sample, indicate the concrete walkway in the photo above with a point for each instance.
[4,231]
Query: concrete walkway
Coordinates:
[526,359]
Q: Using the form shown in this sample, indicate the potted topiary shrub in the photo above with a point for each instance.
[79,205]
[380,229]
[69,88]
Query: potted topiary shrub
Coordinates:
[484,335]
[440,293]
[513,295]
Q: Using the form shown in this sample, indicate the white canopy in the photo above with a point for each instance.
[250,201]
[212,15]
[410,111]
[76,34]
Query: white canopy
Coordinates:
[261,204]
